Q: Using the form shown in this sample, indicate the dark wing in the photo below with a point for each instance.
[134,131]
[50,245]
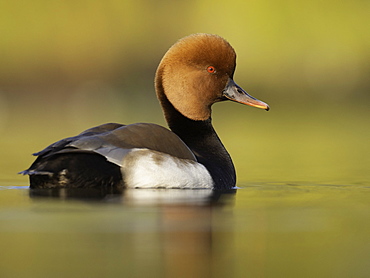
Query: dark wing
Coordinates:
[61,144]
[114,141]
[115,144]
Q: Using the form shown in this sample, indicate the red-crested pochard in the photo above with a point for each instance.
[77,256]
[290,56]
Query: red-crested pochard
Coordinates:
[196,72]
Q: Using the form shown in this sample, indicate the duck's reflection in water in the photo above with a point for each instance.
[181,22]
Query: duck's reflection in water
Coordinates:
[83,194]
[185,235]
[139,196]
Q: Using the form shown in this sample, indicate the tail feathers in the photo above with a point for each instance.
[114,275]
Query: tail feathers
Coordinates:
[36,172]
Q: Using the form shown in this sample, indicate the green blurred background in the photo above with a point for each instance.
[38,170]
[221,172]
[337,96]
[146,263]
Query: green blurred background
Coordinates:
[68,65]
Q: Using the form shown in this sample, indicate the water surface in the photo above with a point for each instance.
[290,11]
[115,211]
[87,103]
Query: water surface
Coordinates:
[262,230]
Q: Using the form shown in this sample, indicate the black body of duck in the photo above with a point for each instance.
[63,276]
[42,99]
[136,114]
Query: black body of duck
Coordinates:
[196,72]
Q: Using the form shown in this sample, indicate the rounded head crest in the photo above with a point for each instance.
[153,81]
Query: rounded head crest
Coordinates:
[203,49]
[194,72]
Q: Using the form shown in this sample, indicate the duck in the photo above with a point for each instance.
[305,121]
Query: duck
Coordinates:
[196,72]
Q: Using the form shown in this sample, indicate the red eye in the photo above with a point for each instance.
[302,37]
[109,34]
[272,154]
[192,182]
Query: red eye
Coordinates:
[211,69]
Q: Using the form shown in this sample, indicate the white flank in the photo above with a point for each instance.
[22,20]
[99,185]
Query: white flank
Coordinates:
[144,168]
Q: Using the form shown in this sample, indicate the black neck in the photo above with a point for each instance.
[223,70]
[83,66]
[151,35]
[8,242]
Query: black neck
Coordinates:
[202,139]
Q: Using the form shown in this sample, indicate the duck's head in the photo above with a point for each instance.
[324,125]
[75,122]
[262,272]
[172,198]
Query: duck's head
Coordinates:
[196,72]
